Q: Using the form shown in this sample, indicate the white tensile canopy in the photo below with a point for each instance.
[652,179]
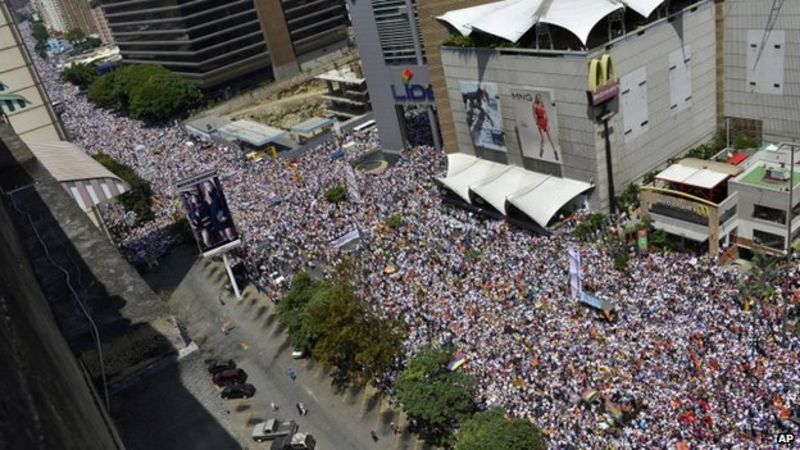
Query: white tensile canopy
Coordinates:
[515,180]
[510,19]
[692,176]
[537,195]
[543,201]
[481,172]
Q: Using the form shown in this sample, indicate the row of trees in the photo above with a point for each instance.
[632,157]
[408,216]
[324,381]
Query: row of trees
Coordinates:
[146,92]
[327,319]
[441,401]
[41,35]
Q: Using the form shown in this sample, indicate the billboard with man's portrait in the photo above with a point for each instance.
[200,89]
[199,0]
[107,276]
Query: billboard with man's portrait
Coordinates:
[208,214]
[537,123]
[484,119]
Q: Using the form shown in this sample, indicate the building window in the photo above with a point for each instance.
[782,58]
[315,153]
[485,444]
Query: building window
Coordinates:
[680,79]
[769,214]
[768,239]
[634,103]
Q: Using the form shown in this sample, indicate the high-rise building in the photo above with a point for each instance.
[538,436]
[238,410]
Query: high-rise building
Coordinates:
[395,61]
[211,42]
[37,122]
[52,15]
[101,25]
[77,14]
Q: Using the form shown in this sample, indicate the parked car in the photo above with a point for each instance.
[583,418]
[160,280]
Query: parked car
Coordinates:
[297,441]
[298,354]
[272,429]
[230,376]
[216,366]
[238,390]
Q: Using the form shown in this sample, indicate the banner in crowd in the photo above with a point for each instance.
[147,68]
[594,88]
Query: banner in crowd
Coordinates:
[208,214]
[352,184]
[537,123]
[345,239]
[575,281]
[484,119]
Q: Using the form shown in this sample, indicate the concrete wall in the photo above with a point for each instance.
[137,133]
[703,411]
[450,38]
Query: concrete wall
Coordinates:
[47,401]
[580,134]
[749,196]
[36,122]
[778,111]
[669,133]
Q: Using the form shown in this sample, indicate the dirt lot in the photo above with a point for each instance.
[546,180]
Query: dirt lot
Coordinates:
[288,107]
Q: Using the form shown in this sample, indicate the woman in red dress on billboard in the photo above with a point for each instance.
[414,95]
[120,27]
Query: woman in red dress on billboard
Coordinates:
[542,123]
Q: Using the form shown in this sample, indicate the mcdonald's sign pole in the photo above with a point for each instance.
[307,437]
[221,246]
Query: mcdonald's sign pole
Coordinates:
[604,87]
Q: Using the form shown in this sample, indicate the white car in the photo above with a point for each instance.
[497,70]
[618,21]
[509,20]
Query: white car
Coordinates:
[272,429]
[277,279]
[298,354]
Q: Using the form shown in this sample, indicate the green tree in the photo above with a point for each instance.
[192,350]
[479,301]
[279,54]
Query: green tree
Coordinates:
[75,35]
[347,336]
[81,75]
[162,96]
[336,194]
[39,32]
[490,430]
[147,92]
[434,396]
[291,311]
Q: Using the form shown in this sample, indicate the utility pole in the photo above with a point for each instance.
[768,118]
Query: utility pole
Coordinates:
[612,201]
[788,245]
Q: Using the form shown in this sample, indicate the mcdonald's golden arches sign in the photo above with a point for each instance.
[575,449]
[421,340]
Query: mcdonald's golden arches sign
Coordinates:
[603,81]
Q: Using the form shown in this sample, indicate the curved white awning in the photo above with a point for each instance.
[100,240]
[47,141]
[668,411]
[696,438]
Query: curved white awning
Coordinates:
[543,201]
[457,162]
[514,181]
[462,19]
[511,20]
[643,7]
[579,16]
[481,172]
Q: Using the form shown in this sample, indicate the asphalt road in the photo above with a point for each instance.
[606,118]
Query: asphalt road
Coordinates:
[257,343]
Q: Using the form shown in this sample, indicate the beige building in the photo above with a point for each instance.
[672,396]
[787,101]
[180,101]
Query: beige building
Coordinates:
[101,25]
[52,14]
[37,122]
[78,15]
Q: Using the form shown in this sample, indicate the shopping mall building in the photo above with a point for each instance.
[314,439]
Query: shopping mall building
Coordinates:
[542,104]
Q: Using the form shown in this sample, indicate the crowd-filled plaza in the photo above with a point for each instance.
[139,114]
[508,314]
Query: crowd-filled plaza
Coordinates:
[702,369]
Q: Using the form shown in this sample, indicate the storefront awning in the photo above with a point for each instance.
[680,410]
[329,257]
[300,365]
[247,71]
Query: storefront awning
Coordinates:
[692,176]
[537,195]
[543,201]
[476,174]
[513,181]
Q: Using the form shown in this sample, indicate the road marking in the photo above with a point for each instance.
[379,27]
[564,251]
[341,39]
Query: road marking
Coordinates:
[308,391]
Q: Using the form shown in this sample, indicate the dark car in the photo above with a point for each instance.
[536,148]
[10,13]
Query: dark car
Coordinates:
[216,366]
[238,390]
[230,376]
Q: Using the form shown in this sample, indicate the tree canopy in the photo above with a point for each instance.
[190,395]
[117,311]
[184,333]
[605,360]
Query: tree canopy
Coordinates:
[75,35]
[146,92]
[139,198]
[490,430]
[81,75]
[433,395]
[328,319]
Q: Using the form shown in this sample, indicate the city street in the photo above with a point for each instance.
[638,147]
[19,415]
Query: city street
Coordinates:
[256,342]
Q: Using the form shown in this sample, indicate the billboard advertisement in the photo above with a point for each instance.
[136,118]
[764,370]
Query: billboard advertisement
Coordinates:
[208,213]
[484,119]
[537,123]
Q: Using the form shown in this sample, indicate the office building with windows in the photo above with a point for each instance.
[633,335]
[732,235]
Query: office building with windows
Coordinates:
[213,42]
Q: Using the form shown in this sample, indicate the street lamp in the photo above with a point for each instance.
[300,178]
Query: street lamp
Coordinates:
[788,243]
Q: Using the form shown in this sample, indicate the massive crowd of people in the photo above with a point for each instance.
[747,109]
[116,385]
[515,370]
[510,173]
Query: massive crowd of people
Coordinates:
[698,368]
